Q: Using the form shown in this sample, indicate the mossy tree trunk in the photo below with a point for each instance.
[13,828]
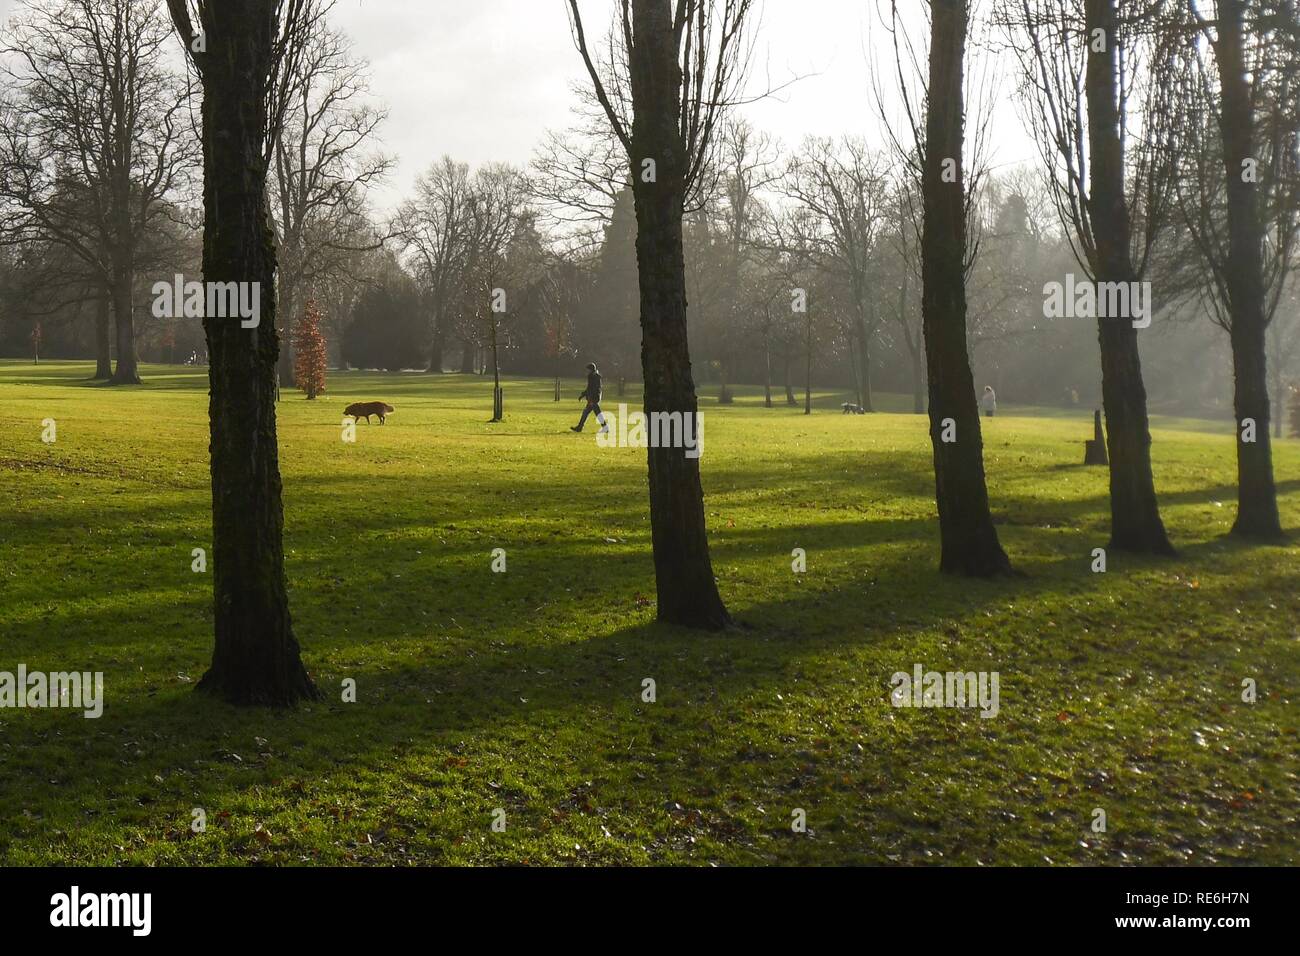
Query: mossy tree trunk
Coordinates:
[1135,523]
[256,656]
[969,541]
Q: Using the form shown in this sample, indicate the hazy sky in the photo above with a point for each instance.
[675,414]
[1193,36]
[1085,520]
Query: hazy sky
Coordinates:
[483,79]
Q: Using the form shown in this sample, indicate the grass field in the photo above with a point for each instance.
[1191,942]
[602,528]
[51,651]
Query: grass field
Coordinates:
[522,691]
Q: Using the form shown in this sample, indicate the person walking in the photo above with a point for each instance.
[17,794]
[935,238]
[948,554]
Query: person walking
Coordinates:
[989,402]
[591,394]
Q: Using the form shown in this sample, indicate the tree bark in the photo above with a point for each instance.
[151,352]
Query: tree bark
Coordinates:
[918,382]
[789,387]
[128,366]
[1257,514]
[103,347]
[686,589]
[467,359]
[1135,524]
[969,541]
[256,657]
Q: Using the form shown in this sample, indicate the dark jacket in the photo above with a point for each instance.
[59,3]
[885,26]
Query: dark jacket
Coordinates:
[592,394]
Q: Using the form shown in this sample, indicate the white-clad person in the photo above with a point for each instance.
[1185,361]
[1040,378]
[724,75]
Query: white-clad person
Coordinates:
[989,402]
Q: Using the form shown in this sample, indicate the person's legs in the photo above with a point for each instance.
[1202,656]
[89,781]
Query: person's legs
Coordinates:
[583,420]
[600,417]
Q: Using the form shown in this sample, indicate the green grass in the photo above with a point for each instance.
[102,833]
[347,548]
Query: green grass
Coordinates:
[522,690]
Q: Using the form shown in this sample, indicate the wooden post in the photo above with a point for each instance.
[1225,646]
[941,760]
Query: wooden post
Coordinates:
[1095,447]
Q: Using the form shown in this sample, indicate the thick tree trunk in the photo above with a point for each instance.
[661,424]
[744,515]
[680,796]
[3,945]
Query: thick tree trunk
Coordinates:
[103,347]
[467,359]
[1257,514]
[128,366]
[969,541]
[686,589]
[256,658]
[1135,523]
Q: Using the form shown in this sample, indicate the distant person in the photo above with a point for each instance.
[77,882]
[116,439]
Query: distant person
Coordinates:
[591,394]
[989,402]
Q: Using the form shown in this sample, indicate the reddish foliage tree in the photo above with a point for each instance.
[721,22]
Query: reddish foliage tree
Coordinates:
[309,354]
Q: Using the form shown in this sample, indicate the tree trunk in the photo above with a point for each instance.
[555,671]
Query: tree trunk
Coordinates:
[1257,514]
[807,380]
[686,589]
[867,402]
[864,366]
[467,359]
[1135,523]
[128,366]
[855,364]
[969,541]
[918,381]
[286,308]
[496,372]
[436,347]
[789,388]
[103,354]
[256,658]
[767,374]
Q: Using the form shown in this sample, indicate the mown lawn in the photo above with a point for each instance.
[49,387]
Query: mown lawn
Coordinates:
[523,691]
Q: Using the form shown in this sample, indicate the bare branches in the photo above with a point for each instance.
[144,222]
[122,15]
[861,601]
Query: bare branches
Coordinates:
[93,144]
[323,161]
[714,44]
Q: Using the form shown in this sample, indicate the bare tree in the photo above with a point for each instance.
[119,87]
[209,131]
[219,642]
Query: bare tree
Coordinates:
[560,292]
[1239,200]
[1078,62]
[493,215]
[686,62]
[969,540]
[323,166]
[243,51]
[94,140]
[433,229]
[846,186]
[903,237]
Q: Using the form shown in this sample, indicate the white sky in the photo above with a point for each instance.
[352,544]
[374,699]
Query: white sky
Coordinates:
[484,79]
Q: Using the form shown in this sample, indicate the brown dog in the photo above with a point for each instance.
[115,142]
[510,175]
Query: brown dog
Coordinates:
[366,409]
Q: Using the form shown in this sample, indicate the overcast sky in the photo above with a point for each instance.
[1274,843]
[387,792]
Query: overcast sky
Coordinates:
[484,79]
